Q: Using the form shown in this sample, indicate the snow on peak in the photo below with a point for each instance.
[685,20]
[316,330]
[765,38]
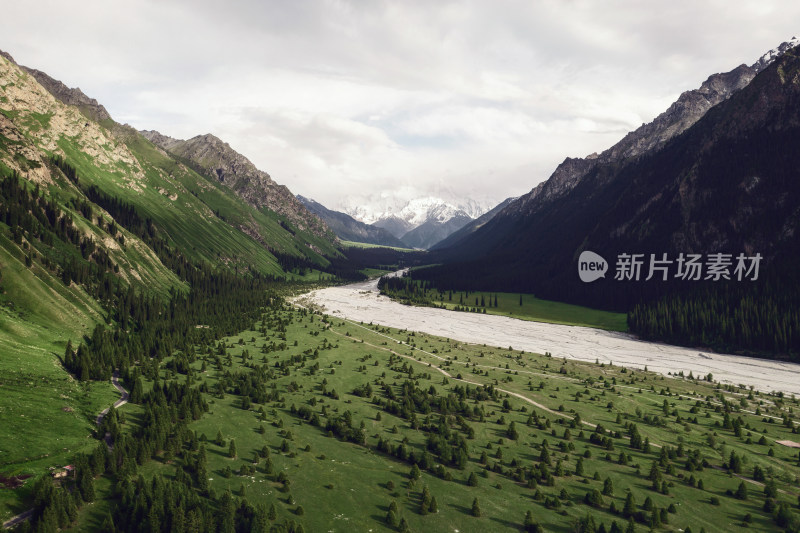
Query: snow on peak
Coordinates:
[765,60]
[417,211]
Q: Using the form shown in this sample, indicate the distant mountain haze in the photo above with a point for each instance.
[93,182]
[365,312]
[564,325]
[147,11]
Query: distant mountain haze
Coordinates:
[350,229]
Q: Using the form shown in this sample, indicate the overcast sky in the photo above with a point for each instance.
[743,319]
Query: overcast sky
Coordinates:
[344,101]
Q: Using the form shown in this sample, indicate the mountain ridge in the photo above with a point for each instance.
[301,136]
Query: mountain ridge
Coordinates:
[680,115]
[421,222]
[469,228]
[725,184]
[350,229]
[217,159]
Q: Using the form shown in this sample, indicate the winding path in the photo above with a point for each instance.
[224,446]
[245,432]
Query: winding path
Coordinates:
[16,520]
[119,403]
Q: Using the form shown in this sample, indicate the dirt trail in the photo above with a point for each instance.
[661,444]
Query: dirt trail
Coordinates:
[450,376]
[16,520]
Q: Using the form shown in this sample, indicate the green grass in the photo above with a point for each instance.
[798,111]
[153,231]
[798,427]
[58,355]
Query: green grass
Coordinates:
[522,306]
[45,415]
[374,272]
[353,244]
[537,310]
[344,485]
[311,275]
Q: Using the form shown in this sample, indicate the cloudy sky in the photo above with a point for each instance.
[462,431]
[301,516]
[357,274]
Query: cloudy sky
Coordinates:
[345,101]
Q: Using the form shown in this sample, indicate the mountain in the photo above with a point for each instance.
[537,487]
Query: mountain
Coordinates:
[213,157]
[421,222]
[112,204]
[454,238]
[717,172]
[394,225]
[350,229]
[440,221]
[90,107]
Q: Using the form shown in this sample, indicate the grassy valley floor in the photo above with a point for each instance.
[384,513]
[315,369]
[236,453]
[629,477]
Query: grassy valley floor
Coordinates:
[514,305]
[353,406]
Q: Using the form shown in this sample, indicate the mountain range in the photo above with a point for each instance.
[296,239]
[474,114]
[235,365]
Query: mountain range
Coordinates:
[198,197]
[716,172]
[419,223]
[350,229]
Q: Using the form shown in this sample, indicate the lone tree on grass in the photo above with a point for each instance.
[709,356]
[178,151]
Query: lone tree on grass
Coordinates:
[530,525]
[741,492]
[232,449]
[476,509]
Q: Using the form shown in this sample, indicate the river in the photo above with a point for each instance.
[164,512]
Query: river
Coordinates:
[362,302]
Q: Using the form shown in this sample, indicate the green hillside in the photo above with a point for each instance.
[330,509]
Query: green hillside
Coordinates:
[302,422]
[92,215]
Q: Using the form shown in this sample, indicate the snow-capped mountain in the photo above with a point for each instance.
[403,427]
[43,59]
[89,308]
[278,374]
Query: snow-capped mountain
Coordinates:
[420,222]
[414,212]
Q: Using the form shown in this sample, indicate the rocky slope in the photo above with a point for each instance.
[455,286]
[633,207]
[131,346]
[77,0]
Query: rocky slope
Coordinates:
[394,225]
[41,118]
[74,97]
[215,158]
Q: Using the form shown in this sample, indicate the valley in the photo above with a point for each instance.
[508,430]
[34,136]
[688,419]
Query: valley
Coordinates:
[319,423]
[362,302]
[187,345]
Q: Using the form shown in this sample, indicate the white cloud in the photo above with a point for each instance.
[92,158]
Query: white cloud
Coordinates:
[338,99]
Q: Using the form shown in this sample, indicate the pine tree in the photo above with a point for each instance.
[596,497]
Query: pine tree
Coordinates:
[232,449]
[544,456]
[608,487]
[137,392]
[476,509]
[530,524]
[741,492]
[108,523]
[630,506]
[391,518]
[433,507]
[426,501]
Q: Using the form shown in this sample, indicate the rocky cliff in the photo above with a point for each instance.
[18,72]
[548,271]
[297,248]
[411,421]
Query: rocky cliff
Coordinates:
[215,158]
